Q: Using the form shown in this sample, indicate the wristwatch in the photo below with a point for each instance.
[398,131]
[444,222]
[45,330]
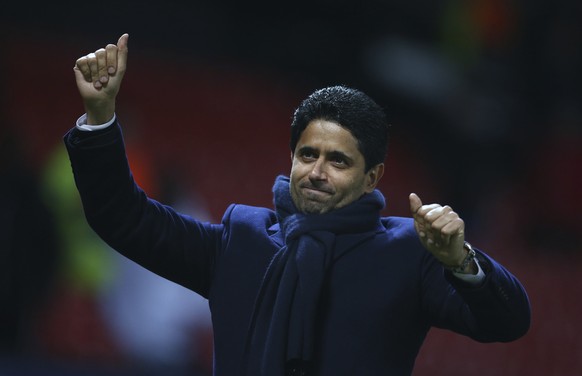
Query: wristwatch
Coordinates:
[468,259]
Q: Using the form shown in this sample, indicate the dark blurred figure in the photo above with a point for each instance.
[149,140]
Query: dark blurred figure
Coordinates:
[28,249]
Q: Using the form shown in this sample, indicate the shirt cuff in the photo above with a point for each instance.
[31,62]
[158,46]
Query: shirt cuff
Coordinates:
[83,126]
[473,279]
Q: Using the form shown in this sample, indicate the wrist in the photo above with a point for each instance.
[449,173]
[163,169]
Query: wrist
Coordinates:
[467,265]
[99,113]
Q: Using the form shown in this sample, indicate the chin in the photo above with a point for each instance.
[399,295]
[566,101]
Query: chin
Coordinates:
[314,211]
[315,208]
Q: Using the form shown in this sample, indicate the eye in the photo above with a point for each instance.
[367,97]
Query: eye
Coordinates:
[308,155]
[338,161]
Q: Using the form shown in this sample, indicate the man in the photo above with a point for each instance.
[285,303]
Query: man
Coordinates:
[322,285]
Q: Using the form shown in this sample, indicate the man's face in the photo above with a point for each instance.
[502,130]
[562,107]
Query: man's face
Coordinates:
[328,170]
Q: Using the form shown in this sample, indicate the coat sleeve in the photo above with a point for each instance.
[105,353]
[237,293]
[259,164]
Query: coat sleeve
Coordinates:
[170,244]
[497,310]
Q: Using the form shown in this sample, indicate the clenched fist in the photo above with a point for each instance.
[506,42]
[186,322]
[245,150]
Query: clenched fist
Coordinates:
[441,232]
[99,75]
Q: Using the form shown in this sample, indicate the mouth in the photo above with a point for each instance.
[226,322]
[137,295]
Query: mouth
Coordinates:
[309,189]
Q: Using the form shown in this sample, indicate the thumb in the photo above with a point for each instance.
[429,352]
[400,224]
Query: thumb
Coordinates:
[415,203]
[122,52]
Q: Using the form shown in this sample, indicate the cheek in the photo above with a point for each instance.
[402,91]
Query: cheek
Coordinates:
[297,170]
[293,172]
[294,175]
[352,188]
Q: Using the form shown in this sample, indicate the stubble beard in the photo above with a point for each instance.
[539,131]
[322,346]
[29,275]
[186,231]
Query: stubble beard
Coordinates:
[306,206]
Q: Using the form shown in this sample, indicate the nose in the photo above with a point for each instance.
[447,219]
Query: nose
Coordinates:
[318,171]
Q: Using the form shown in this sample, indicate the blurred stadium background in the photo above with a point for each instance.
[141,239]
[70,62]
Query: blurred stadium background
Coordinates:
[484,101]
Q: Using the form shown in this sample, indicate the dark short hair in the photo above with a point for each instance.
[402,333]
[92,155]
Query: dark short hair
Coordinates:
[351,109]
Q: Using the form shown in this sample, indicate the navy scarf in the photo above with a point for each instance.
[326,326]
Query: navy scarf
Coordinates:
[281,333]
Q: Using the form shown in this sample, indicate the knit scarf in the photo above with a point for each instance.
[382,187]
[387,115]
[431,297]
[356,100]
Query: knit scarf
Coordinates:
[281,332]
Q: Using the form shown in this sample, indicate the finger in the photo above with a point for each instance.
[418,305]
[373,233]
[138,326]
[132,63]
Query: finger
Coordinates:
[111,56]
[102,65]
[437,212]
[420,219]
[94,70]
[122,52]
[443,220]
[442,224]
[454,227]
[415,202]
[417,208]
[82,66]
[436,239]
[425,209]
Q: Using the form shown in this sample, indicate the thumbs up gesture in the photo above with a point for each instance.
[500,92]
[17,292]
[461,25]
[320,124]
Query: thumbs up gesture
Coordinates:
[98,76]
[441,231]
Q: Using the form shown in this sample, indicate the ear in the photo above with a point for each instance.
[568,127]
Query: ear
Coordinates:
[373,177]
[292,156]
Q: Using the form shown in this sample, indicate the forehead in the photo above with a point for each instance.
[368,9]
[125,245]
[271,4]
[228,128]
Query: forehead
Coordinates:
[328,136]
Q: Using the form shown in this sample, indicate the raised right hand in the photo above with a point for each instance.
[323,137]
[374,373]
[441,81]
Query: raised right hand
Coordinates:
[99,75]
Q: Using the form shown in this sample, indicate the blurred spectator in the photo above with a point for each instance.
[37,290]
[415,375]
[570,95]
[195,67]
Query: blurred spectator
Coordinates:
[73,328]
[109,311]
[162,327]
